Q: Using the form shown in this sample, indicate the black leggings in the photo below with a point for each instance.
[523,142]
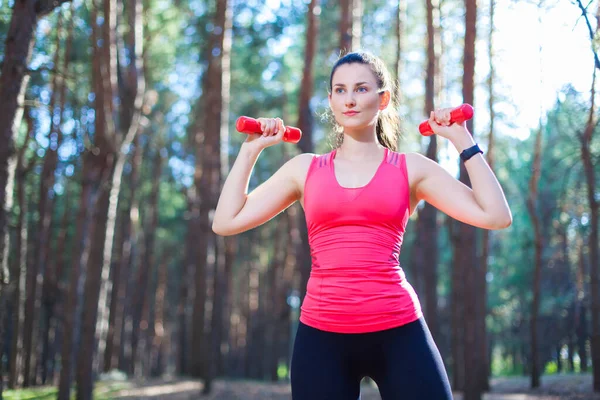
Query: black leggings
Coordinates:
[404,362]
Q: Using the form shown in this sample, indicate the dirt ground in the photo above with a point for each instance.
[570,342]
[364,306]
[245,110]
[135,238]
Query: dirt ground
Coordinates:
[567,387]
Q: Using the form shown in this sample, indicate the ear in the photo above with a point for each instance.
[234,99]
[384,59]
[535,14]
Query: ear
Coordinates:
[384,99]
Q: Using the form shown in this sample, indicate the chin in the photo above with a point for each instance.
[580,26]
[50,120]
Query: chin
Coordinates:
[356,123]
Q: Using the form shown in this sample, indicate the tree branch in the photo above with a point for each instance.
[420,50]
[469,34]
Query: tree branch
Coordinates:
[44,7]
[590,30]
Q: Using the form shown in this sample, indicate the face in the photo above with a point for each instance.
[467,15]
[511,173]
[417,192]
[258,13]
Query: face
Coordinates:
[355,98]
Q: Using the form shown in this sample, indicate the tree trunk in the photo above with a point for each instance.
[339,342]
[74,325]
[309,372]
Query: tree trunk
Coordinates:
[594,261]
[135,89]
[426,253]
[400,28]
[485,369]
[183,353]
[13,82]
[581,311]
[19,270]
[79,258]
[105,143]
[533,212]
[350,25]
[208,178]
[50,291]
[465,250]
[305,123]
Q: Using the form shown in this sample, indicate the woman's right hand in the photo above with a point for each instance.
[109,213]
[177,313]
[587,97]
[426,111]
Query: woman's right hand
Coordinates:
[272,133]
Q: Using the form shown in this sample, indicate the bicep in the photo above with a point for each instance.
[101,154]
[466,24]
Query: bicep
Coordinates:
[270,198]
[449,195]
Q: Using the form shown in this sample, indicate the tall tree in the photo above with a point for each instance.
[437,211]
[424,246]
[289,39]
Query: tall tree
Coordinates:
[210,124]
[13,82]
[350,25]
[465,245]
[538,241]
[134,85]
[106,145]
[19,270]
[485,368]
[426,253]
[400,31]
[590,178]
[305,123]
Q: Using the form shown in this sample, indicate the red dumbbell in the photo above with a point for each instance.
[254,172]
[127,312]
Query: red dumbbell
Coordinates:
[251,125]
[459,115]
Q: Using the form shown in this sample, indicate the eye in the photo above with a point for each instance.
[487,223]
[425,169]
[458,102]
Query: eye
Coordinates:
[361,89]
[339,90]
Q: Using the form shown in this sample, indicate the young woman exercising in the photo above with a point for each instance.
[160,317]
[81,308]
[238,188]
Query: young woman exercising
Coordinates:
[360,316]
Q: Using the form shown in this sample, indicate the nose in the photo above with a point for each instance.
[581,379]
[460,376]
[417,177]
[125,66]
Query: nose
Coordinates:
[349,101]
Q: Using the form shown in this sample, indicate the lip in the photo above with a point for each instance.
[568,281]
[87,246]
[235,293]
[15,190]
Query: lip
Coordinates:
[350,113]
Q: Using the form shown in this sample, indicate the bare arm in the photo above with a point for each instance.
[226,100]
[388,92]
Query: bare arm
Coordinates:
[484,205]
[237,211]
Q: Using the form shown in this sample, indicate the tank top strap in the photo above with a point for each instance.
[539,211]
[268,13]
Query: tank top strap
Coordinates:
[324,159]
[394,158]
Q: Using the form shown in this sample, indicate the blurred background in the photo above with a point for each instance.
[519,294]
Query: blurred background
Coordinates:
[118,128]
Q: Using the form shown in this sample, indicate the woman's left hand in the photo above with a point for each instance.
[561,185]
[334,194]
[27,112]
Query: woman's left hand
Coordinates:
[439,120]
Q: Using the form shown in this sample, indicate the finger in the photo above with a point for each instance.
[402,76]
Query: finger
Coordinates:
[435,126]
[280,127]
[447,116]
[269,127]
[263,124]
[440,117]
[273,127]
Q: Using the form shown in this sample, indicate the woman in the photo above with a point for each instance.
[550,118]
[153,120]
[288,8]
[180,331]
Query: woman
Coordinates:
[360,316]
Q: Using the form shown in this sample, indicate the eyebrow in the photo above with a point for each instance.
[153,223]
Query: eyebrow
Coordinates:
[356,84]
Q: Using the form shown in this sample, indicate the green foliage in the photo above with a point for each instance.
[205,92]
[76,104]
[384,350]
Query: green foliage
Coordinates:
[102,391]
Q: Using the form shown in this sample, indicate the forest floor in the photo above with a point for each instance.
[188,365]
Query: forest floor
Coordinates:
[554,387]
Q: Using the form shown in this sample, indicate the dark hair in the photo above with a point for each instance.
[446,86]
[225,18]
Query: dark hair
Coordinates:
[388,123]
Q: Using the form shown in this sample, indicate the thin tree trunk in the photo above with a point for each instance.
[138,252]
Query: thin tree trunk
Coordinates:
[594,261]
[79,258]
[465,251]
[425,269]
[208,132]
[158,343]
[484,369]
[581,321]
[50,290]
[533,212]
[305,123]
[115,337]
[224,256]
[13,82]
[184,293]
[105,143]
[350,27]
[19,270]
[136,85]
[400,28]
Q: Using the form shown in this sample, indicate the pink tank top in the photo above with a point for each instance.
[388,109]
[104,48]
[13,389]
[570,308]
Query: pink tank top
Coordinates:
[356,284]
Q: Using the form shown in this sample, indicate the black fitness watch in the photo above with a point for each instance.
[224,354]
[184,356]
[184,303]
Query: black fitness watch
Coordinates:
[470,152]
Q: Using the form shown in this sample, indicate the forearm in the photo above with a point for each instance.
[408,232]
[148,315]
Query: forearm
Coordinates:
[235,189]
[485,186]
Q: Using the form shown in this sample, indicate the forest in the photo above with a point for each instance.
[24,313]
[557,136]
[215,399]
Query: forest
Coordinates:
[117,122]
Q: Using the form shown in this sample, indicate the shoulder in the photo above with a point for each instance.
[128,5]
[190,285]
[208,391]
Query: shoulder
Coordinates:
[297,167]
[418,166]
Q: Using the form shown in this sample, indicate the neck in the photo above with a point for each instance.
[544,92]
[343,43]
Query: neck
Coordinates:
[361,148]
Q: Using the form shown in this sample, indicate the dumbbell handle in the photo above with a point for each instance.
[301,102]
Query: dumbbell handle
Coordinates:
[459,115]
[251,125]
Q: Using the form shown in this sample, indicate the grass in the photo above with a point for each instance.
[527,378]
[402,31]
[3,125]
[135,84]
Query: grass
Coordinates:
[102,391]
